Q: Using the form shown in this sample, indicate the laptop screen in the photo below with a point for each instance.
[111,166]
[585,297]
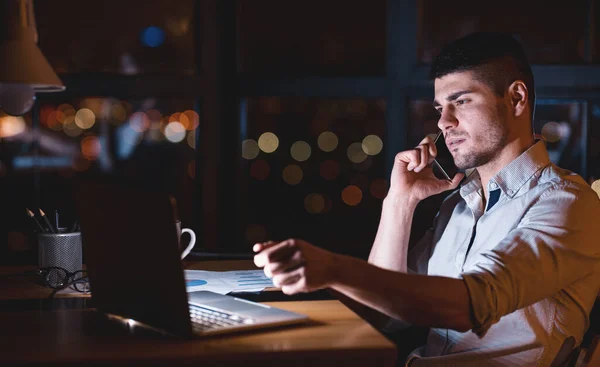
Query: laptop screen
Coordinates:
[131,251]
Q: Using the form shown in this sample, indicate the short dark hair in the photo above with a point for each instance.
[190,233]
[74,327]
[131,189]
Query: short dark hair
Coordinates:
[496,59]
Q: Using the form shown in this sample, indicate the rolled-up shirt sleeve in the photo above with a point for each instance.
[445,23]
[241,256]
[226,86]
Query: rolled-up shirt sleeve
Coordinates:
[417,260]
[556,243]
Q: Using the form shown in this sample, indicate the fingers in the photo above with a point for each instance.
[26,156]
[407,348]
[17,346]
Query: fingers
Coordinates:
[292,282]
[408,159]
[423,158]
[429,140]
[293,262]
[258,247]
[275,252]
[456,180]
[288,278]
[419,157]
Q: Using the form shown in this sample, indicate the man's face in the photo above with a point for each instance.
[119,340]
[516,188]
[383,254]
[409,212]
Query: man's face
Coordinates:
[473,118]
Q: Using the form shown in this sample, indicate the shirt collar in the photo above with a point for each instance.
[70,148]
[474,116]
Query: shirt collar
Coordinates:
[514,175]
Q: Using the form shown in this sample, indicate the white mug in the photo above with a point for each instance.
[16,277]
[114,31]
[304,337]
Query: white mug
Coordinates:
[192,242]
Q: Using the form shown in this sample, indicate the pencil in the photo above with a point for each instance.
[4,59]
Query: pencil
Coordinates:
[50,227]
[34,219]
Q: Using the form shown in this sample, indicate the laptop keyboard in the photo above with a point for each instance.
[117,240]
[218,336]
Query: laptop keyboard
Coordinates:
[206,319]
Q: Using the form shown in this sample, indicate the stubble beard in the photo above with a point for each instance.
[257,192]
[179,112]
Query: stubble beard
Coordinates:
[487,146]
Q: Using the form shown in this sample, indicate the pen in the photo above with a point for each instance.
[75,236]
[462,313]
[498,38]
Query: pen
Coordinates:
[34,219]
[50,228]
[56,220]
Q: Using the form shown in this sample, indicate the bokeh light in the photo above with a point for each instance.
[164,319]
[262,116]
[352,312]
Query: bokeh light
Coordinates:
[268,142]
[152,36]
[65,114]
[352,195]
[154,115]
[250,149]
[11,126]
[300,151]
[379,188]
[90,147]
[71,129]
[329,170]
[355,153]
[314,203]
[193,118]
[364,165]
[118,112]
[292,174]
[552,131]
[174,132]
[259,170]
[69,119]
[181,118]
[85,118]
[191,139]
[139,122]
[372,144]
[44,112]
[596,187]
[327,141]
[93,103]
[154,133]
[54,120]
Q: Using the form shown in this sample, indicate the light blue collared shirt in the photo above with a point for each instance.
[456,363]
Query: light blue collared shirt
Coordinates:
[530,261]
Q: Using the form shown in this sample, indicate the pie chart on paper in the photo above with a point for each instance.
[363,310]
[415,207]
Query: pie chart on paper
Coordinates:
[195,282]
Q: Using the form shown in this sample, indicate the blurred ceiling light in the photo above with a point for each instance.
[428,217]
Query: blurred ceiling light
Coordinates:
[11,126]
[23,68]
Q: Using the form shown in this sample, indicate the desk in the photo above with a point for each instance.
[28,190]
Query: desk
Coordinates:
[68,337]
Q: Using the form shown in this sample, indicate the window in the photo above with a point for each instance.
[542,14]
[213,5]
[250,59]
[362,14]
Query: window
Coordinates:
[313,168]
[311,37]
[551,33]
[112,36]
[294,70]
[150,141]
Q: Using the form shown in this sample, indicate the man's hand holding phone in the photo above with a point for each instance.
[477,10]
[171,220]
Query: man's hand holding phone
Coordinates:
[413,177]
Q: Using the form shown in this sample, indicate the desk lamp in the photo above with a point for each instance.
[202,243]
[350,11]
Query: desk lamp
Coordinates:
[23,68]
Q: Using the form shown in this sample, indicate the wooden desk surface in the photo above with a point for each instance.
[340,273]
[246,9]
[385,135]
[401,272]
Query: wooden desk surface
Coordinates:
[16,284]
[335,335]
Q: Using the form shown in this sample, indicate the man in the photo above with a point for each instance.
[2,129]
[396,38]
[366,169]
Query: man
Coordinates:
[509,272]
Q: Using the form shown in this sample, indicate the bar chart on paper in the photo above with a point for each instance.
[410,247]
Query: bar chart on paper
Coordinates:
[224,282]
[195,282]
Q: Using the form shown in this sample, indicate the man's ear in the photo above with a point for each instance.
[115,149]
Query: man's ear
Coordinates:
[518,94]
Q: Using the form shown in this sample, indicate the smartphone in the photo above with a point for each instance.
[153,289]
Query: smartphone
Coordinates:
[443,164]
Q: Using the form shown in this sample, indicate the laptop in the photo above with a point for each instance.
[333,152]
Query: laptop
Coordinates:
[132,256]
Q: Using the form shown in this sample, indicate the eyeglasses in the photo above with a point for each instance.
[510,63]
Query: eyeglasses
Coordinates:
[58,278]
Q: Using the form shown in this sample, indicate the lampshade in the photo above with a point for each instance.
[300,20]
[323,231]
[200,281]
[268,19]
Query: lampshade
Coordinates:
[23,68]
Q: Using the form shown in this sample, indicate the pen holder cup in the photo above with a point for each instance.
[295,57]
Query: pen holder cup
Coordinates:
[60,250]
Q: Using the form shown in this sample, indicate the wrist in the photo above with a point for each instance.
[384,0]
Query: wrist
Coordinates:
[337,270]
[400,200]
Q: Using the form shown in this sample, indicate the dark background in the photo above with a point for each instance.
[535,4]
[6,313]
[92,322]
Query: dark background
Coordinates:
[238,69]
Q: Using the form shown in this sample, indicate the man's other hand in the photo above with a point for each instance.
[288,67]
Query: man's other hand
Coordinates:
[295,265]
